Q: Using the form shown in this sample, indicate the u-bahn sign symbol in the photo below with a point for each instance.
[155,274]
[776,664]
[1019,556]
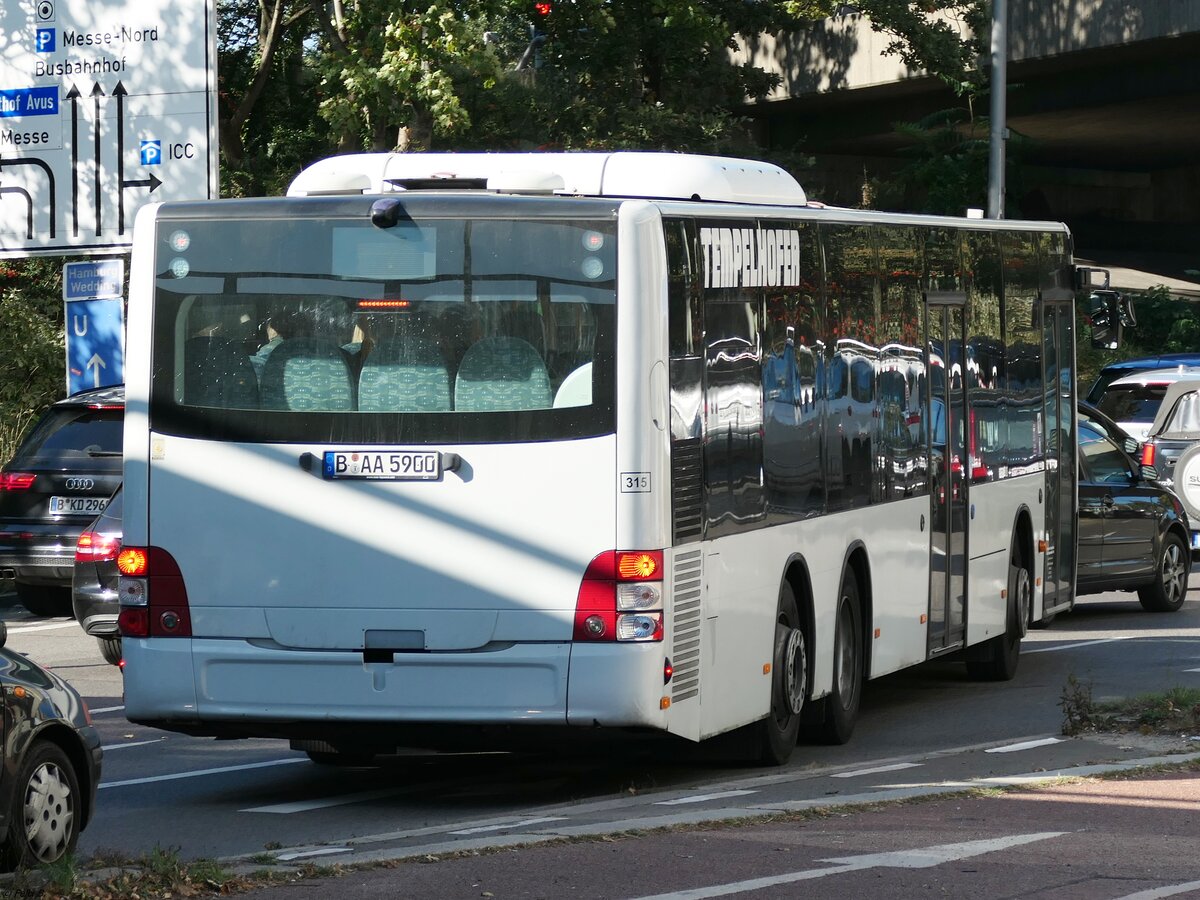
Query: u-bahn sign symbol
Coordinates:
[105,105]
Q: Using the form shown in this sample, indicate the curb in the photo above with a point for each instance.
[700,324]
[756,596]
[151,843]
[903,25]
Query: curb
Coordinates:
[345,854]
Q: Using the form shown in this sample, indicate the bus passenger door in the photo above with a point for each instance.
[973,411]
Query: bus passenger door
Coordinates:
[948,470]
[1058,346]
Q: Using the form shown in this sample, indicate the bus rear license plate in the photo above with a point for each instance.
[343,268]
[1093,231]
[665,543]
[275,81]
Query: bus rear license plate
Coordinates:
[77,506]
[384,465]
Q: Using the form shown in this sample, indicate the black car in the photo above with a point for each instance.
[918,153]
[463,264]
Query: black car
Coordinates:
[51,763]
[1133,534]
[1093,416]
[94,589]
[60,478]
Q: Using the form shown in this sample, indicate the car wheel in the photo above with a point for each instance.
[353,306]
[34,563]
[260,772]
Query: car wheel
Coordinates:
[45,599]
[1169,588]
[44,816]
[110,649]
[841,706]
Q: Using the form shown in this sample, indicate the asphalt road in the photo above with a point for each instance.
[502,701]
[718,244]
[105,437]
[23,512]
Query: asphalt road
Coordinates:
[920,732]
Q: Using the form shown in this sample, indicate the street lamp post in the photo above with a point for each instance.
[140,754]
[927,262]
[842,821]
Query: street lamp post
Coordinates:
[999,132]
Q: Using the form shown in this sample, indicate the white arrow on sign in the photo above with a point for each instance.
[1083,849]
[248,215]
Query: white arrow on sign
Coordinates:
[920,858]
[96,364]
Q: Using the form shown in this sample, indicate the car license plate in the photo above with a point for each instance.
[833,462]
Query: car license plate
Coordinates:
[1196,540]
[77,506]
[384,465]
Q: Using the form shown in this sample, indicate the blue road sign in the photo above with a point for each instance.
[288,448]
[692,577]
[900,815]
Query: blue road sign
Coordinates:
[95,280]
[95,320]
[95,344]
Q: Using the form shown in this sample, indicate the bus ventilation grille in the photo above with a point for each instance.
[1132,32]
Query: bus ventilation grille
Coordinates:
[686,490]
[686,615]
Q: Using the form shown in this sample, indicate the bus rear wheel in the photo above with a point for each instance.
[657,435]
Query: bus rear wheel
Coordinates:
[996,659]
[778,732]
[841,706]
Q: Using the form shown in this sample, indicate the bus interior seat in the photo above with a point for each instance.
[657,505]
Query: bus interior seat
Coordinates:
[404,374]
[501,373]
[576,388]
[309,374]
[218,374]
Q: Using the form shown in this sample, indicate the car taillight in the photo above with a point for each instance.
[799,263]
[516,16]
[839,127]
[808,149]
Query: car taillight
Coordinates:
[94,546]
[621,597]
[16,481]
[1147,454]
[154,600]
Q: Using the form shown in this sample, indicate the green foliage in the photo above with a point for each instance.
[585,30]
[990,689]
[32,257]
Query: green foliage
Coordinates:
[1077,705]
[267,98]
[1174,711]
[924,36]
[32,364]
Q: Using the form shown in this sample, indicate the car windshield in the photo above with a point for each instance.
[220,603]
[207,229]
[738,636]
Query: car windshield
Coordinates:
[1132,402]
[75,431]
[1184,420]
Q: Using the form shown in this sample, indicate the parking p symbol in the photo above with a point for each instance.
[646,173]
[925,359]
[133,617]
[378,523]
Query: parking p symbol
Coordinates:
[44,40]
[151,153]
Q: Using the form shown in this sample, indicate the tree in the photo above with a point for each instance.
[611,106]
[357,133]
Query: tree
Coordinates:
[268,127]
[32,372]
[393,70]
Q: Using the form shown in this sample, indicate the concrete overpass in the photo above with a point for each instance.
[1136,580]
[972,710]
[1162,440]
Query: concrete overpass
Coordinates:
[1107,92]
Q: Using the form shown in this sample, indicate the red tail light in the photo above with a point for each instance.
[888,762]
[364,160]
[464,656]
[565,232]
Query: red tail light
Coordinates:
[93,546]
[621,598]
[1147,454]
[16,481]
[154,600]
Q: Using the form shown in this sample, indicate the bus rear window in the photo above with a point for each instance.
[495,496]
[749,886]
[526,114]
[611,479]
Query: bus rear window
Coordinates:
[437,330]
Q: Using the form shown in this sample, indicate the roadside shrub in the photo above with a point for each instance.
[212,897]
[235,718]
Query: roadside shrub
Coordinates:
[32,362]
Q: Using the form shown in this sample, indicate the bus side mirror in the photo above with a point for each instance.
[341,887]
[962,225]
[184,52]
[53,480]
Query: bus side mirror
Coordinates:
[1109,313]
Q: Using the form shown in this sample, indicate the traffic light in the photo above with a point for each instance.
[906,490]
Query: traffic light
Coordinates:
[539,17]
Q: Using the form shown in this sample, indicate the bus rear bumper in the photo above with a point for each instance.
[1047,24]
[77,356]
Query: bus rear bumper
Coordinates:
[237,688]
[237,681]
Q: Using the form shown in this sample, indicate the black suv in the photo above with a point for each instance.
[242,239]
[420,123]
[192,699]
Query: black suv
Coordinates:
[60,478]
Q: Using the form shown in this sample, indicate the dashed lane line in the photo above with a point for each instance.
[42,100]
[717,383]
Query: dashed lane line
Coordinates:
[1025,745]
[197,773]
[919,858]
[895,767]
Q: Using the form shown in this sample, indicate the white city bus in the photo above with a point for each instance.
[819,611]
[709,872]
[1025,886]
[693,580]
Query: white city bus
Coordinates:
[464,450]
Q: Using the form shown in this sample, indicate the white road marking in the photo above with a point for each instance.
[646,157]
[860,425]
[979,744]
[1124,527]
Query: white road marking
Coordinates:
[896,767]
[522,824]
[106,709]
[199,772]
[108,747]
[920,858]
[1025,745]
[326,802]
[1123,637]
[324,851]
[1191,670]
[1170,890]
[44,626]
[701,798]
